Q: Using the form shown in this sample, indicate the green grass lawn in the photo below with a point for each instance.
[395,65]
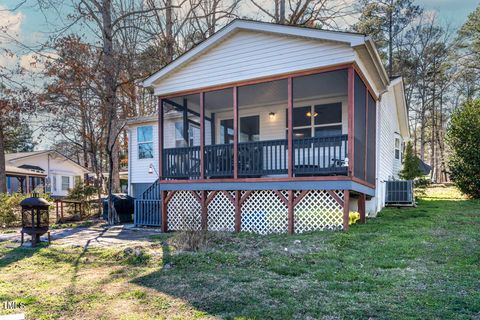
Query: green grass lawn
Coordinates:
[421,263]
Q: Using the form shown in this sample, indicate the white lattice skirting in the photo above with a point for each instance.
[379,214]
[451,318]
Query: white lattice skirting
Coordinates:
[184,212]
[221,213]
[262,212]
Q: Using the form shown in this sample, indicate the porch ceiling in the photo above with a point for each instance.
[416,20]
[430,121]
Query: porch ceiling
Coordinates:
[273,92]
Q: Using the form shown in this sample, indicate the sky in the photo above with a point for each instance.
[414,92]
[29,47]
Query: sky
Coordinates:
[32,27]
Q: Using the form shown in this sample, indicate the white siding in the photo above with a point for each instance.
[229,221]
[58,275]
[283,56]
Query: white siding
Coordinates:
[54,165]
[248,55]
[387,166]
[139,167]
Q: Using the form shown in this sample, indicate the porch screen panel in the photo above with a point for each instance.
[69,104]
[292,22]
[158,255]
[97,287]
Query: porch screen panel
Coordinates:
[320,124]
[181,132]
[219,133]
[262,146]
[360,117]
[371,139]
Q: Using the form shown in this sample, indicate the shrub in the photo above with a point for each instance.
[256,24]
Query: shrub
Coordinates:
[82,192]
[463,136]
[411,164]
[10,209]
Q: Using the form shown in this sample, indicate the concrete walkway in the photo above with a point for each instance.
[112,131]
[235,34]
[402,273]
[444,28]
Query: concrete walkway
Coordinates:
[97,235]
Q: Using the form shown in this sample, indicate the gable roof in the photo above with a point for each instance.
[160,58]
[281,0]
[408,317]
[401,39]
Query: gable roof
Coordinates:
[352,39]
[23,155]
[20,155]
[12,170]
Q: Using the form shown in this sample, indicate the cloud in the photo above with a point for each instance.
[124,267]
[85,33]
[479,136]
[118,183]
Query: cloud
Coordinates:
[11,22]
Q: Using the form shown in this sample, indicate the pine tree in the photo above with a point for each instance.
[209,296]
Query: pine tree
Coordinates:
[463,136]
[411,164]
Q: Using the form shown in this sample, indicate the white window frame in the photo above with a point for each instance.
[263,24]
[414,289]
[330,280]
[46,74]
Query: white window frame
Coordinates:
[397,149]
[54,183]
[314,126]
[143,143]
[68,179]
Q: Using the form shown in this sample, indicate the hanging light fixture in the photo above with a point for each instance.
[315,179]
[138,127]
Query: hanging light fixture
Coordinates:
[271,115]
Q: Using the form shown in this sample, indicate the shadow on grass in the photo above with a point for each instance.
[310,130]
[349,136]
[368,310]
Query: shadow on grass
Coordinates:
[19,253]
[259,280]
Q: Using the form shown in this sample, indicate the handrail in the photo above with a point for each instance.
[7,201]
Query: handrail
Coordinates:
[311,156]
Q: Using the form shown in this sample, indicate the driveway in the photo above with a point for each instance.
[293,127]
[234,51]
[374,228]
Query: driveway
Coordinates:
[97,235]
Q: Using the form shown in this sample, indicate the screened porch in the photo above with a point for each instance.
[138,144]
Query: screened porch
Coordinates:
[244,131]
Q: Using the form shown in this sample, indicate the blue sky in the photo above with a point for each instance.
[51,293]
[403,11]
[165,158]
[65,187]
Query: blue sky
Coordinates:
[452,11]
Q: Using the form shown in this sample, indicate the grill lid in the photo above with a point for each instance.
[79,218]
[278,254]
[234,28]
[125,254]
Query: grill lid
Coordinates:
[35,202]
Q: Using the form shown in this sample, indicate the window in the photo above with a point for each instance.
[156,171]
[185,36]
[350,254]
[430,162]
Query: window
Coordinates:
[250,129]
[65,183]
[323,120]
[54,183]
[397,148]
[179,141]
[226,131]
[145,142]
[193,135]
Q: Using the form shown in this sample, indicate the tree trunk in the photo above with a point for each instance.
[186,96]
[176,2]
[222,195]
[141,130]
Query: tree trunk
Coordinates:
[169,45]
[109,99]
[422,130]
[116,165]
[390,39]
[282,11]
[3,176]
[432,141]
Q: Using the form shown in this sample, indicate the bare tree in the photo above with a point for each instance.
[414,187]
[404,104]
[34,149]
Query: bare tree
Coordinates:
[312,13]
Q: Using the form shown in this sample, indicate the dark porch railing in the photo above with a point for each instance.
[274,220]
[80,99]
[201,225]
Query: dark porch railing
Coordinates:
[182,163]
[320,155]
[311,156]
[258,158]
[219,160]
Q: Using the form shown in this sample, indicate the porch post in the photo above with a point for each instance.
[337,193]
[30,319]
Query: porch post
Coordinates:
[235,132]
[365,156]
[346,209]
[202,136]
[160,138]
[204,216]
[351,97]
[27,183]
[164,211]
[185,121]
[362,207]
[290,127]
[291,208]
[238,211]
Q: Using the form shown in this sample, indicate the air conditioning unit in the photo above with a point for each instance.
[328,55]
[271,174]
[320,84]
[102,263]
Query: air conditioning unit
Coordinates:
[399,193]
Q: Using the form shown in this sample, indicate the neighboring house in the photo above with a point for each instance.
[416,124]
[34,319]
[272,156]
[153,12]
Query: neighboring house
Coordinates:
[269,128]
[142,154]
[49,169]
[24,180]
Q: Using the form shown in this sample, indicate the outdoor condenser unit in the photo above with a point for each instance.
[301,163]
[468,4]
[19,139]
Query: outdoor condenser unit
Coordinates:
[399,193]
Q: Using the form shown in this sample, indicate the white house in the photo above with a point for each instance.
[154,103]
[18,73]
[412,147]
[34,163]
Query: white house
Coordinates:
[142,154]
[47,168]
[269,128]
